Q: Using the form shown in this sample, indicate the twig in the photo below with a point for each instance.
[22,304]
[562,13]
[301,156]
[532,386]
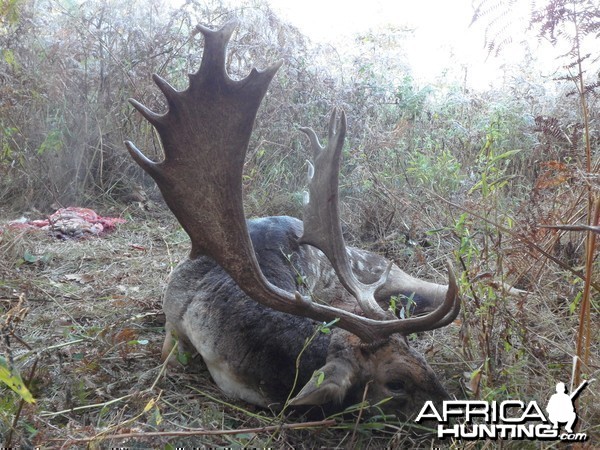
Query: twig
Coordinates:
[80,408]
[110,402]
[164,365]
[202,432]
[584,328]
[532,245]
[594,229]
[229,405]
[52,347]
[360,412]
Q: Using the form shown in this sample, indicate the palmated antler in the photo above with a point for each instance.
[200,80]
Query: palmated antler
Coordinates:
[322,229]
[205,135]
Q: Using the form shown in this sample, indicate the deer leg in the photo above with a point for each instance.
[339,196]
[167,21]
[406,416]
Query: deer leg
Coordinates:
[184,349]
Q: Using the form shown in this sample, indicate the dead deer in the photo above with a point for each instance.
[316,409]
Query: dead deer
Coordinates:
[252,292]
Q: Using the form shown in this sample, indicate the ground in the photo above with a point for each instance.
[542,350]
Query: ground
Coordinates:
[85,329]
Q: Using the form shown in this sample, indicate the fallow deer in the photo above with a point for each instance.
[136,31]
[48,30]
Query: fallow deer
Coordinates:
[251,293]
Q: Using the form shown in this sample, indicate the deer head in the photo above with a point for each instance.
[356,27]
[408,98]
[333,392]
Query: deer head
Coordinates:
[205,134]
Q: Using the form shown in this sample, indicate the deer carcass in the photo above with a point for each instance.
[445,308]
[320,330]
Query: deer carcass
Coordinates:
[252,292]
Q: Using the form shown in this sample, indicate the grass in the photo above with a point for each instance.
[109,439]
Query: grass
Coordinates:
[89,350]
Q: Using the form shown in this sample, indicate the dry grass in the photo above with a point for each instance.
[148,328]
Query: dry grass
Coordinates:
[90,349]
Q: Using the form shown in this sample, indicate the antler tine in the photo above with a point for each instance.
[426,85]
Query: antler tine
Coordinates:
[322,227]
[145,163]
[443,315]
[213,59]
[149,115]
[335,137]
[168,91]
[315,145]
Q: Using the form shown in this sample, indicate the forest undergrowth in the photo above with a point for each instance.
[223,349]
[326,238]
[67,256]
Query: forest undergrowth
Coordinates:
[85,327]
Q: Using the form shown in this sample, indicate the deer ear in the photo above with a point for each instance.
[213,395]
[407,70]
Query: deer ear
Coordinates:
[328,384]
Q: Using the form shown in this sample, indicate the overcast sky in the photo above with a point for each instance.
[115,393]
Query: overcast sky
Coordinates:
[442,35]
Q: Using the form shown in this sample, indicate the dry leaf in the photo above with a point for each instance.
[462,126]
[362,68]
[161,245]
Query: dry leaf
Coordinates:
[82,278]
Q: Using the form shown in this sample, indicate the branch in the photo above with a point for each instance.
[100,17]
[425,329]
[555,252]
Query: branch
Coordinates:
[202,432]
[579,274]
[594,229]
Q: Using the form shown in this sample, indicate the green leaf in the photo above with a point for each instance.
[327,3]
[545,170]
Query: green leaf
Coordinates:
[10,11]
[13,380]
[138,342]
[9,58]
[53,142]
[30,258]
[326,327]
[573,305]
[372,426]
[157,416]
[393,304]
[320,377]
[149,405]
[183,358]
[504,155]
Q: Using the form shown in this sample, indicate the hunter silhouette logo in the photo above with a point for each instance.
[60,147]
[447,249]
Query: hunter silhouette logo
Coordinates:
[509,419]
[560,407]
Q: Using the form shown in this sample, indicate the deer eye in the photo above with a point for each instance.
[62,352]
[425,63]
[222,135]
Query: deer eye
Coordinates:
[396,386]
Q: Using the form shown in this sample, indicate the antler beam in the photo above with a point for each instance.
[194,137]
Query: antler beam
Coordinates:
[322,226]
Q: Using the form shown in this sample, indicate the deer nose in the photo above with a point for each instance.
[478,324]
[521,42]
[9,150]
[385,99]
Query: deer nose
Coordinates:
[438,392]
